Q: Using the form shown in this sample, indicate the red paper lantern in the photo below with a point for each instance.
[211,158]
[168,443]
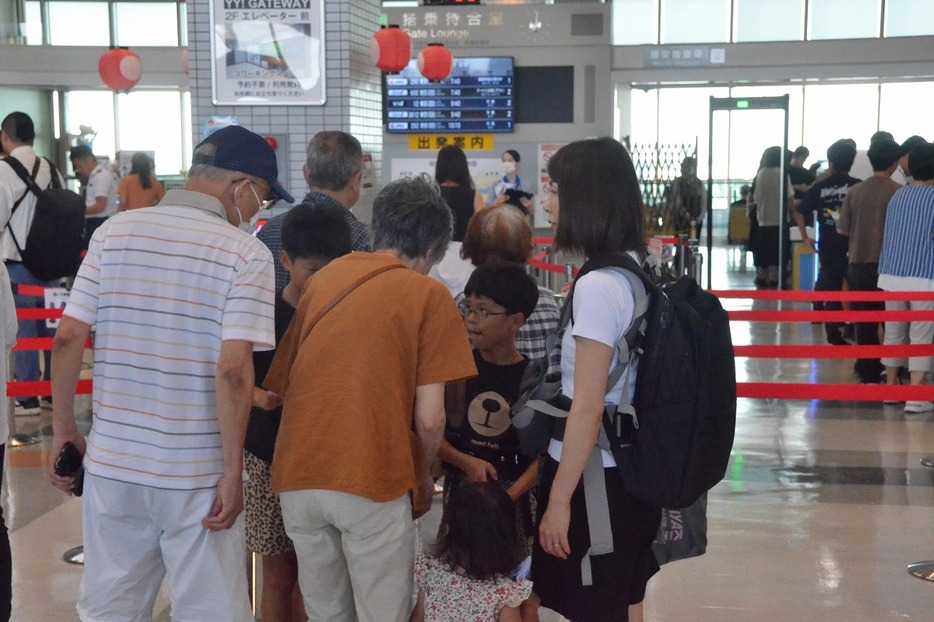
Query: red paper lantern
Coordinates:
[435,62]
[120,69]
[391,49]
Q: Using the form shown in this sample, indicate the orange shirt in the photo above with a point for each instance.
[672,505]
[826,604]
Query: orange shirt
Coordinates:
[348,386]
[134,195]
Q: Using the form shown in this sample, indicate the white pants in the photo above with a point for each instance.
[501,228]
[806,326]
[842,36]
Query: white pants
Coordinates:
[356,557]
[902,333]
[134,536]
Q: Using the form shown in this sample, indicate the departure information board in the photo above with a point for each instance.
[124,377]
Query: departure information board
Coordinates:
[477,97]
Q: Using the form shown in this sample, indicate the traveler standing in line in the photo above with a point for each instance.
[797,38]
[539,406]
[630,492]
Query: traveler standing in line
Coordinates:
[17,134]
[503,233]
[595,204]
[99,188]
[825,197]
[457,188]
[180,297]
[356,385]
[906,264]
[334,173]
[8,330]
[139,188]
[766,207]
[862,220]
[311,238]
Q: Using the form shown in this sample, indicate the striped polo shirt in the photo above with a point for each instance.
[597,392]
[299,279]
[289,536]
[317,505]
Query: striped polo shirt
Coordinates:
[164,286]
[908,242]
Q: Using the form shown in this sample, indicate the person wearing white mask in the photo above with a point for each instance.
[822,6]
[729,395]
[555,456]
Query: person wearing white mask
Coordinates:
[511,181]
[180,299]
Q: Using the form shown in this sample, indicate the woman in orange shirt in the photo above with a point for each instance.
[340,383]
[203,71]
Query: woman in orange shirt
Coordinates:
[139,188]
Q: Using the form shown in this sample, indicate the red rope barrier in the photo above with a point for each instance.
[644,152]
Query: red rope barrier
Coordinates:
[830,316]
[547,267]
[772,294]
[38,314]
[832,352]
[840,392]
[42,387]
[38,343]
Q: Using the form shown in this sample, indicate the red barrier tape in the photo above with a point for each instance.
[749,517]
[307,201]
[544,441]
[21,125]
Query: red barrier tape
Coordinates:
[32,389]
[840,392]
[771,294]
[547,267]
[29,290]
[39,343]
[38,314]
[832,352]
[831,316]
[543,241]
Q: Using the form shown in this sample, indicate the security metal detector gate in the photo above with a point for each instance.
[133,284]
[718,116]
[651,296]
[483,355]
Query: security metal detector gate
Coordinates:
[741,104]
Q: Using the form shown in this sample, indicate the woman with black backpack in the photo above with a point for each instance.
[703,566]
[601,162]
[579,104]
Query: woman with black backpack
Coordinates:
[594,203]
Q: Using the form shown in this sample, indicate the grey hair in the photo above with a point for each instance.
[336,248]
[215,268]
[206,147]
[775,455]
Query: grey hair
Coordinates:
[332,159]
[410,216]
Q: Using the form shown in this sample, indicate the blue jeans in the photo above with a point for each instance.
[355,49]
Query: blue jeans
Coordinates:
[27,362]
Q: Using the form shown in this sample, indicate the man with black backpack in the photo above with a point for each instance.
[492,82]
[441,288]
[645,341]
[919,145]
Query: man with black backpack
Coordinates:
[17,208]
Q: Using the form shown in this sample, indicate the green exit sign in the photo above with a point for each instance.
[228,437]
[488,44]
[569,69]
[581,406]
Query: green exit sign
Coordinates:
[742,103]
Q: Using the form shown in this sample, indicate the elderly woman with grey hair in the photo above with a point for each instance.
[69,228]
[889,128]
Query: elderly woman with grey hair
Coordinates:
[361,372]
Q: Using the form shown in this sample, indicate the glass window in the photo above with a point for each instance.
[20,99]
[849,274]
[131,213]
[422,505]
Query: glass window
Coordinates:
[751,132]
[147,23]
[836,111]
[635,22]
[152,121]
[95,110]
[79,23]
[909,18]
[844,19]
[643,124]
[695,21]
[684,116]
[899,110]
[768,20]
[33,23]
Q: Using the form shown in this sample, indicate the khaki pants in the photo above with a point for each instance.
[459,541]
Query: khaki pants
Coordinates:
[356,557]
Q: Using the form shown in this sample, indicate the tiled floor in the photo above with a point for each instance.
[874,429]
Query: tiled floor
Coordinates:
[823,507]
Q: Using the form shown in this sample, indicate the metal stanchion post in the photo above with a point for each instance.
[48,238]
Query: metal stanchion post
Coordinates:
[568,273]
[682,251]
[698,268]
[549,275]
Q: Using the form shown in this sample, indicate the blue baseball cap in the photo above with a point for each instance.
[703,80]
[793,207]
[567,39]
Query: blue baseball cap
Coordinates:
[239,149]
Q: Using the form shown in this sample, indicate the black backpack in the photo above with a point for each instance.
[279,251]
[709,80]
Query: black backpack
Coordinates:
[677,445]
[673,443]
[52,250]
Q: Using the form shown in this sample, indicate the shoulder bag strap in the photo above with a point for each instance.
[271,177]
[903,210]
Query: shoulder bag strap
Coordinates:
[363,279]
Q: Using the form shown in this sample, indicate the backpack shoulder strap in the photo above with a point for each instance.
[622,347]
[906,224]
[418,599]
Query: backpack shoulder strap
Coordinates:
[20,170]
[31,186]
[55,181]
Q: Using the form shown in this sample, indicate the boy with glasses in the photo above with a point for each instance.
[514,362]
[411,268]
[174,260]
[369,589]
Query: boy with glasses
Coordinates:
[480,442]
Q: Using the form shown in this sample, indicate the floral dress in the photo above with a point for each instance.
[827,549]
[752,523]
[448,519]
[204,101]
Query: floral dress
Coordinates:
[451,597]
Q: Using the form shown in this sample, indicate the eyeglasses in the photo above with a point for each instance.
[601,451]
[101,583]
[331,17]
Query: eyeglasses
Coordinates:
[480,313]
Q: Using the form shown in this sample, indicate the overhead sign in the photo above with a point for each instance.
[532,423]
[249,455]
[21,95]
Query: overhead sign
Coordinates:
[268,52]
[467,142]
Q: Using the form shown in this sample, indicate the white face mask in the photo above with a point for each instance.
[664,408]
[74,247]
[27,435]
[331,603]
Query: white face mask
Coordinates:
[509,168]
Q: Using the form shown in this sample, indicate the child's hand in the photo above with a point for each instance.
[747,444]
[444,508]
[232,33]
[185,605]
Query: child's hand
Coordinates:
[267,400]
[478,470]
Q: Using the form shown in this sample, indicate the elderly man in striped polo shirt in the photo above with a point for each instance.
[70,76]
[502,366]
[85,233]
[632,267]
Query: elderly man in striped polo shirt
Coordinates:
[180,298]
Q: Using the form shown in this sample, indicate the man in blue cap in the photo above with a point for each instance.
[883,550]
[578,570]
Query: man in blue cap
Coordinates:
[180,298]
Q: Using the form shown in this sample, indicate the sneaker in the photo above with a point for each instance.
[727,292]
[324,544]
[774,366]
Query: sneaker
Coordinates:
[28,406]
[919,407]
[45,402]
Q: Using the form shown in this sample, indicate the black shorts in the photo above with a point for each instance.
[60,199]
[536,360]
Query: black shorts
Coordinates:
[620,577]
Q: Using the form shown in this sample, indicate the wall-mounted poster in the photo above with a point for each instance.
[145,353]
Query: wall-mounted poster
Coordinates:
[268,52]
